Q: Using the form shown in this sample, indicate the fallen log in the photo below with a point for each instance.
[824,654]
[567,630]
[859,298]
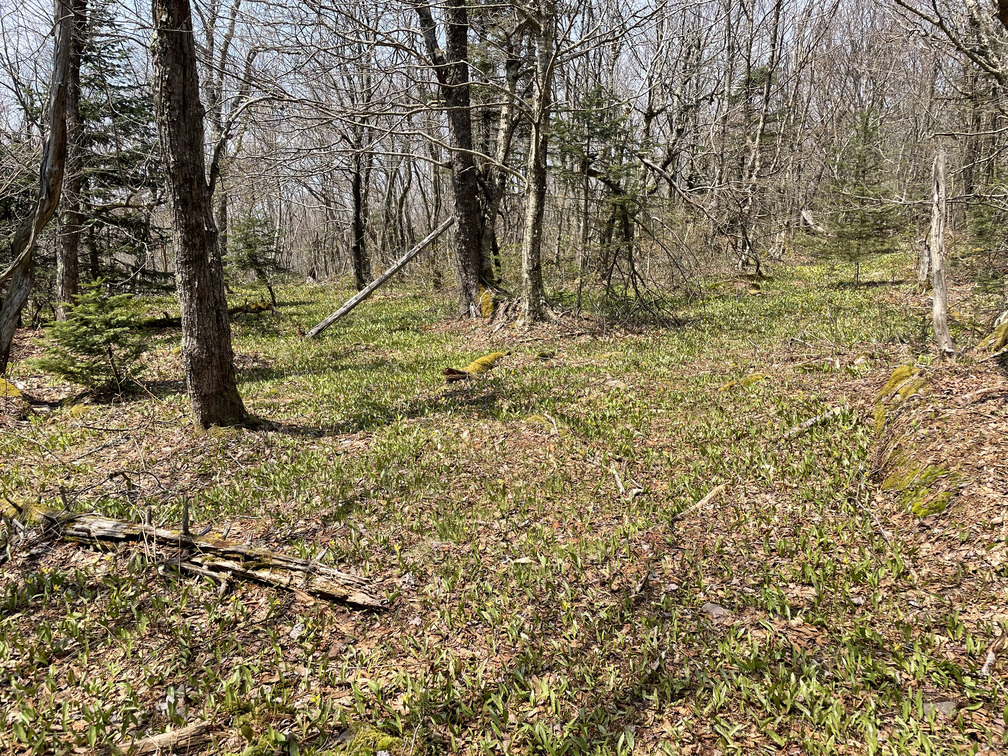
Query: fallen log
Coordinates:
[807,425]
[175,741]
[169,321]
[221,559]
[370,289]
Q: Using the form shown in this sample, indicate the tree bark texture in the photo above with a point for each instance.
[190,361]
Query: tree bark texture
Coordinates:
[206,329]
[358,248]
[18,275]
[451,67]
[72,216]
[533,295]
[939,293]
[496,178]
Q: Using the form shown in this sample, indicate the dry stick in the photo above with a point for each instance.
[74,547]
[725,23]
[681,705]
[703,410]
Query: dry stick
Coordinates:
[176,741]
[383,278]
[714,493]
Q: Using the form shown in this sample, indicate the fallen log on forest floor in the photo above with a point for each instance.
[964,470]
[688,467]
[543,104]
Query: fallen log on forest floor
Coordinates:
[170,321]
[173,741]
[221,560]
[372,287]
[807,425]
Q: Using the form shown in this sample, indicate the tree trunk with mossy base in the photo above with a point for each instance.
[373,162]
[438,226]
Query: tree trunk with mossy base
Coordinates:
[206,328]
[533,294]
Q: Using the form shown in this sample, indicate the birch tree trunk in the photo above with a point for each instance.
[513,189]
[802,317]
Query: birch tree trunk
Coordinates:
[18,275]
[206,328]
[495,174]
[939,295]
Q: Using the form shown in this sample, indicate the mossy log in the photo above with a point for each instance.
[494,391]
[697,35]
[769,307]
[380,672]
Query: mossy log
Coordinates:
[221,559]
[476,367]
[998,338]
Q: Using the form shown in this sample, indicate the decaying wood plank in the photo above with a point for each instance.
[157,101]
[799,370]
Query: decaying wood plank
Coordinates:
[175,741]
[226,559]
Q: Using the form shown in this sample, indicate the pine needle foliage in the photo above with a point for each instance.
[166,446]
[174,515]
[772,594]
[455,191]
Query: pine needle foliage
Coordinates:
[99,343]
[860,208]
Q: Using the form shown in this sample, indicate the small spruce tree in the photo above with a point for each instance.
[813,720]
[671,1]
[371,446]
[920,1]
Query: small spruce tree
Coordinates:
[100,341]
[859,210]
[252,250]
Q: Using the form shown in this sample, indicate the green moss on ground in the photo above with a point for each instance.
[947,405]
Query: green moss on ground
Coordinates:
[916,485]
[904,382]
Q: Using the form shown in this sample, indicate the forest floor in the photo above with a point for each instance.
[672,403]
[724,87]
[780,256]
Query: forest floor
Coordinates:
[551,586]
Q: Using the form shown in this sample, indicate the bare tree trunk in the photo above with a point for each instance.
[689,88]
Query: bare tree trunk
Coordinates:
[496,176]
[533,295]
[939,295]
[358,247]
[452,70]
[206,328]
[18,276]
[68,243]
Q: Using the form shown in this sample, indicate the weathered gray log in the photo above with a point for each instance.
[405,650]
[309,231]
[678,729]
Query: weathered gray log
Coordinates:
[175,741]
[225,559]
[378,282]
[825,417]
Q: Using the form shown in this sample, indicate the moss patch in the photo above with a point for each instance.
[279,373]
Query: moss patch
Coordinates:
[487,302]
[8,390]
[367,741]
[998,339]
[904,382]
[917,486]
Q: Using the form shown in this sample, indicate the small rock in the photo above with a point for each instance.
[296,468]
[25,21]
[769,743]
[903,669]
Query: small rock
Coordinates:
[297,631]
[945,708]
[714,611]
[382,753]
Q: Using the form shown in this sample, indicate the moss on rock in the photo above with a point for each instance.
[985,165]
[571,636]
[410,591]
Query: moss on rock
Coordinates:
[998,339]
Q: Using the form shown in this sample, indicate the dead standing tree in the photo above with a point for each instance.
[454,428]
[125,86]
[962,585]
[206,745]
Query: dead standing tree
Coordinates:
[206,327]
[936,245]
[18,276]
[977,29]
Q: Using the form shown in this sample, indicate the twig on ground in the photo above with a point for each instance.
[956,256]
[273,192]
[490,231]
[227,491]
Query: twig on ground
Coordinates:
[713,494]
